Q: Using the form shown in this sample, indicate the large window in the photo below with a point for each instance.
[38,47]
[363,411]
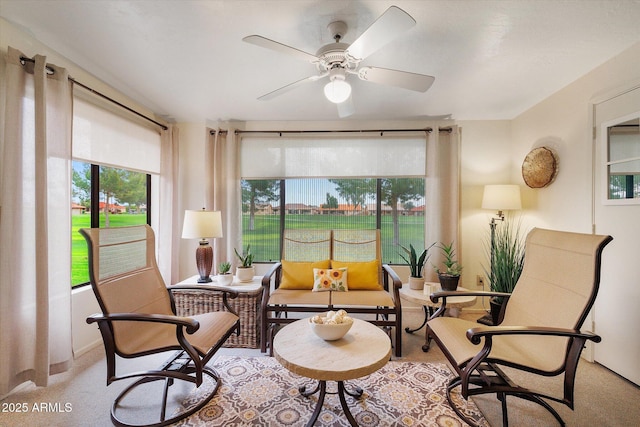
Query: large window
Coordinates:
[393,205]
[333,182]
[121,201]
[116,160]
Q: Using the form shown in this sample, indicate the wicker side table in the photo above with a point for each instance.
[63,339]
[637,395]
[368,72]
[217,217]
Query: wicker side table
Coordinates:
[247,305]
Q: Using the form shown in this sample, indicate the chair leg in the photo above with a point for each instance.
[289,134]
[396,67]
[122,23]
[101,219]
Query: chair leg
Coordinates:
[505,416]
[502,397]
[118,421]
[455,382]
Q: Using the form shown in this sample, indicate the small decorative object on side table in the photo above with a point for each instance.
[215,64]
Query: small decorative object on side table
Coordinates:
[449,276]
[245,270]
[224,277]
[416,265]
[202,225]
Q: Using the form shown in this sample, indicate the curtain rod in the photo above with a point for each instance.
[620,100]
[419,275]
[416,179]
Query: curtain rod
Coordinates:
[381,131]
[74,81]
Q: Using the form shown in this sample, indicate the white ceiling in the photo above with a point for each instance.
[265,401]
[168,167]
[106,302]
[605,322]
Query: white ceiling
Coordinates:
[186,60]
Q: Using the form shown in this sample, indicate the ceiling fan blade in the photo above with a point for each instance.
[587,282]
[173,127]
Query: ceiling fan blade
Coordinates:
[279,47]
[346,108]
[388,26]
[287,88]
[404,79]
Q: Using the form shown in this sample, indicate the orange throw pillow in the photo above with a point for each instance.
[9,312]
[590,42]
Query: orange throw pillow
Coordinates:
[299,275]
[362,275]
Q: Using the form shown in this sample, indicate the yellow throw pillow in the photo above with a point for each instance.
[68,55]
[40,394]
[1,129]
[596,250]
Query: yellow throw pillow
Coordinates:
[325,279]
[299,275]
[362,275]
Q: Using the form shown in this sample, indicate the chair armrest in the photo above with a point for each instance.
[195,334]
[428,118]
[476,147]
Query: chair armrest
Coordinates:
[274,272]
[390,272]
[266,279]
[190,324]
[434,297]
[395,281]
[444,294]
[475,334]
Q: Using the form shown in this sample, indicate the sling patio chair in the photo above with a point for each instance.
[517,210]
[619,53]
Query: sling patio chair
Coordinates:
[138,319]
[539,329]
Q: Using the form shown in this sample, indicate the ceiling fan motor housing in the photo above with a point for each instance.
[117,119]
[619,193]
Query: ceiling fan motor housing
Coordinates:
[334,55]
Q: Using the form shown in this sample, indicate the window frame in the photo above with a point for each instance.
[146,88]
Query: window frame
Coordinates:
[606,163]
[282,213]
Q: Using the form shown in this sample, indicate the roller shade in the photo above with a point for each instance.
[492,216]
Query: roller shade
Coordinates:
[339,157]
[624,150]
[105,138]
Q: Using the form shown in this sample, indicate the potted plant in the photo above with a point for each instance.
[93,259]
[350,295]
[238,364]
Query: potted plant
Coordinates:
[506,256]
[416,265]
[224,274]
[245,270]
[450,275]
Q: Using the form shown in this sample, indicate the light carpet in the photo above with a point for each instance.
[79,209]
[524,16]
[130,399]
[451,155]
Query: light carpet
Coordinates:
[258,391]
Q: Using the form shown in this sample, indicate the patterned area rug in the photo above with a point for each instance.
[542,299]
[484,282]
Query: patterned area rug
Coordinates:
[258,391]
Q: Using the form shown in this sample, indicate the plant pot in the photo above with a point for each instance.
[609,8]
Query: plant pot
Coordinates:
[416,283]
[224,279]
[495,307]
[448,282]
[245,274]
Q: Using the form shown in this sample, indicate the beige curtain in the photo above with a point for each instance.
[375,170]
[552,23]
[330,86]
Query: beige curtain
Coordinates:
[168,235]
[35,229]
[222,192]
[442,193]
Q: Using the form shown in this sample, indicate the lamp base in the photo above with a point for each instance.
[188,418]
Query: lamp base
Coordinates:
[204,261]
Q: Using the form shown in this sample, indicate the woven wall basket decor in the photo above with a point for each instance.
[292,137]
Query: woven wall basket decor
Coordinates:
[540,167]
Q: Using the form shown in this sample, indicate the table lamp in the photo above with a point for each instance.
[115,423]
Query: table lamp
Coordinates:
[202,225]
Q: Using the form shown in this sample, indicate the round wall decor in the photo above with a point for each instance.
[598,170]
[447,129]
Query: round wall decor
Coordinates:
[540,167]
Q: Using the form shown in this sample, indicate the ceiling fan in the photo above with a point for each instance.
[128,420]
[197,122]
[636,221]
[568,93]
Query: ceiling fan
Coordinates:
[338,60]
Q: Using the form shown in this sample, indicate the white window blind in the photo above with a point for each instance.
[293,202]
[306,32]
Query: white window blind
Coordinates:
[624,149]
[339,157]
[105,138]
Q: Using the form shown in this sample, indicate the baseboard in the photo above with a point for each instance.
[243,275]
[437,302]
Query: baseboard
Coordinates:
[86,348]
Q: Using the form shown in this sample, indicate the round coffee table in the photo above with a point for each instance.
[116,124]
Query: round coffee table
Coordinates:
[362,351]
[419,297]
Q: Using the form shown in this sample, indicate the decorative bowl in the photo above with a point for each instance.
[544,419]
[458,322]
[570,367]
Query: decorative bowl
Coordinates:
[331,332]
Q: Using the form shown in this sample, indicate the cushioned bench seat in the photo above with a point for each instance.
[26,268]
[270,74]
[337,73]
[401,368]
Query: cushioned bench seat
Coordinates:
[325,270]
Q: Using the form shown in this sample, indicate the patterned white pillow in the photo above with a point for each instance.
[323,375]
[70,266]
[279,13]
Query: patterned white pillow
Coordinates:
[325,279]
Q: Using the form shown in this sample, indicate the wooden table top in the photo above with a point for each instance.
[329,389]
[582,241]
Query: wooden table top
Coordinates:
[419,297]
[362,351]
[252,287]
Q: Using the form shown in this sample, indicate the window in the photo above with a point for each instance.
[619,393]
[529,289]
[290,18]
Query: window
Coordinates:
[322,203]
[329,183]
[122,201]
[116,160]
[623,160]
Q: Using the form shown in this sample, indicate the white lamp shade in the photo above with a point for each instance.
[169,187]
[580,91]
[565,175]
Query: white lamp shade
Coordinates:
[337,91]
[501,197]
[202,224]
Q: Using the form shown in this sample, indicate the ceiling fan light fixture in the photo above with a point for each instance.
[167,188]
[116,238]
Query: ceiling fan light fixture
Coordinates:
[337,91]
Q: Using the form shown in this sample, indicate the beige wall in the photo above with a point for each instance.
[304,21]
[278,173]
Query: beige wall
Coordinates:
[485,159]
[563,121]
